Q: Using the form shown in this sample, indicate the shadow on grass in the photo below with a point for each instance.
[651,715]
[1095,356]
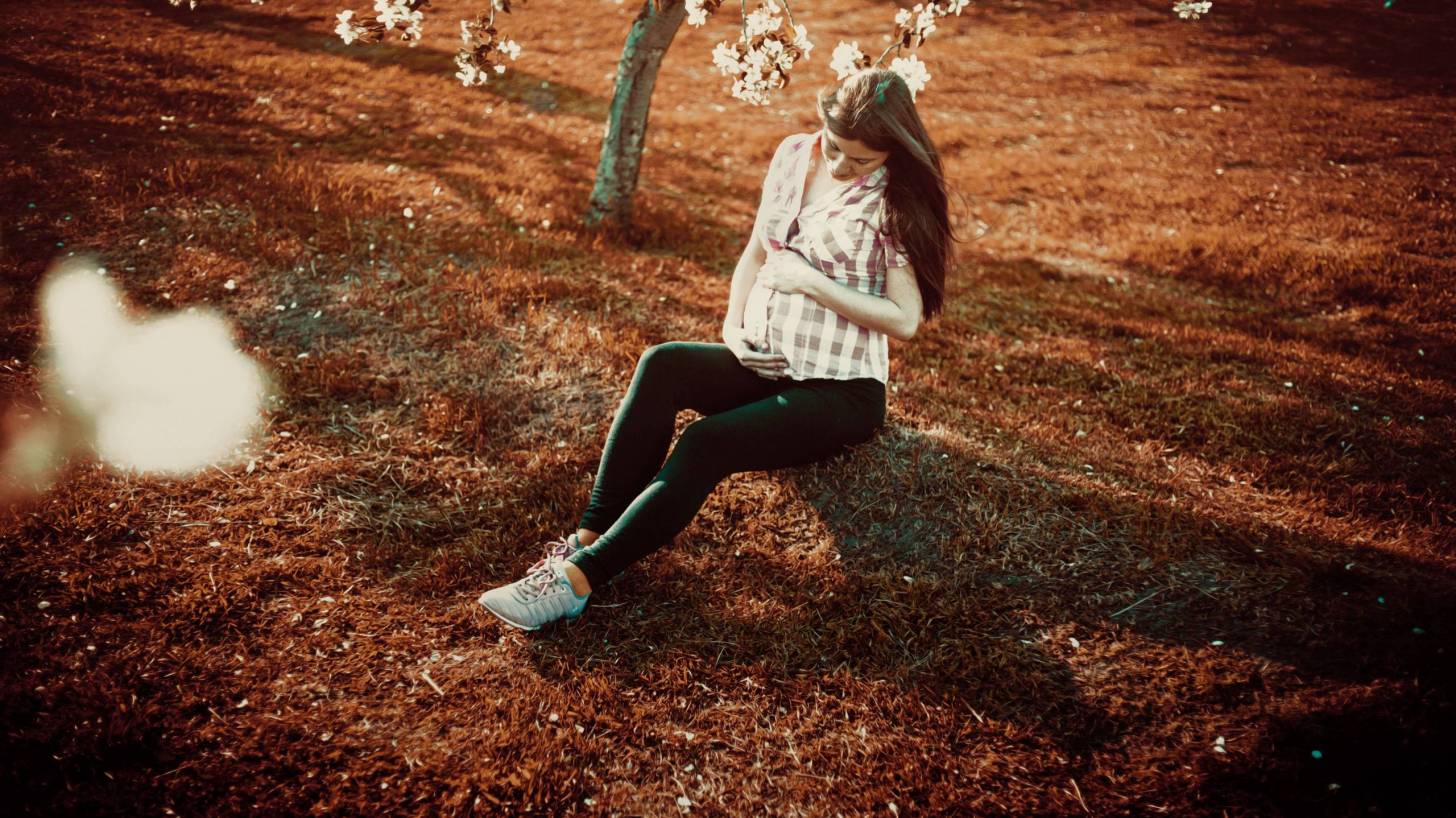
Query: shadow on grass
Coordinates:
[1370,753]
[1004,541]
[664,227]
[238,169]
[309,34]
[1401,43]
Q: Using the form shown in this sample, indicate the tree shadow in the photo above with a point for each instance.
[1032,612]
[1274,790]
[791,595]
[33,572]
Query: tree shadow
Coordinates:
[1136,354]
[229,154]
[659,226]
[958,633]
[1346,755]
[1404,42]
[953,642]
[310,34]
[1003,542]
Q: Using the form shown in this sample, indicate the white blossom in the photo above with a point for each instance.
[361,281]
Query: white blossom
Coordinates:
[750,93]
[801,37]
[481,52]
[919,21]
[763,56]
[389,12]
[468,74]
[397,13]
[415,28]
[1188,10]
[762,21]
[912,70]
[697,14]
[847,59]
[925,21]
[346,30]
[955,6]
[725,58]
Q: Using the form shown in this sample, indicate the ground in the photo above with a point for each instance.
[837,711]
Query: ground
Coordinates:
[1161,521]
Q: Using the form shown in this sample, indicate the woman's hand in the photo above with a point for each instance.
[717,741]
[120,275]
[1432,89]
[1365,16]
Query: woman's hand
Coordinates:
[788,272]
[766,365]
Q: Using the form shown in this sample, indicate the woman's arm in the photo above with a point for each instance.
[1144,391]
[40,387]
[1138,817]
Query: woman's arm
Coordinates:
[897,314]
[749,262]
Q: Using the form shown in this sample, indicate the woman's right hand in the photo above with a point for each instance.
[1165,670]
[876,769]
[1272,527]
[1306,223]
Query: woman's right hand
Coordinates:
[765,364]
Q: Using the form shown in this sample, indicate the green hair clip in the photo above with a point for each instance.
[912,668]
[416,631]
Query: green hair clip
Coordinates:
[880,91]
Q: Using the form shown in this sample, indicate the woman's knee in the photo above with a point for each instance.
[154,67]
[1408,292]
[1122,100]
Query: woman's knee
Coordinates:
[707,447]
[668,355]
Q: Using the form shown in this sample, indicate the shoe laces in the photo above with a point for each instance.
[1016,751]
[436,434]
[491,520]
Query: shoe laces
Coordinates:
[539,581]
[560,550]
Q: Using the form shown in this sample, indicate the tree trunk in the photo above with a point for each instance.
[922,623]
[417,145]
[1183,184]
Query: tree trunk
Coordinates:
[651,34]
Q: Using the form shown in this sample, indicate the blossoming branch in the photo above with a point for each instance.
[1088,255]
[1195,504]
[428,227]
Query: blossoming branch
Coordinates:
[405,15]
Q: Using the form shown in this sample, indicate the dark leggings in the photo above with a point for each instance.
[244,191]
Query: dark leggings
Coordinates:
[752,423]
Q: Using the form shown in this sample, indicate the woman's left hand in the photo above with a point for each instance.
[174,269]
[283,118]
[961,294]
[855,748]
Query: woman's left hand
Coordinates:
[788,272]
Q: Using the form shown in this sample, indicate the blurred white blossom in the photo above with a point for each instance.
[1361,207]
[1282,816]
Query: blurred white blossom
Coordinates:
[1189,10]
[698,10]
[167,394]
[404,16]
[401,13]
[481,51]
[347,29]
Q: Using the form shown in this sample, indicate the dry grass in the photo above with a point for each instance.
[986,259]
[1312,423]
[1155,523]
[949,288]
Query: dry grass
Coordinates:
[1132,436]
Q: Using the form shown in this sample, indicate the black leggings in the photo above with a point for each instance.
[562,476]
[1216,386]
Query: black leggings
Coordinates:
[752,423]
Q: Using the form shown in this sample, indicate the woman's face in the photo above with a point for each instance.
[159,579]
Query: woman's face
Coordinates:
[847,159]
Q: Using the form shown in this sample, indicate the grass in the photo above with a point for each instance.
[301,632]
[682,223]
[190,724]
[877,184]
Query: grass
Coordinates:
[1124,504]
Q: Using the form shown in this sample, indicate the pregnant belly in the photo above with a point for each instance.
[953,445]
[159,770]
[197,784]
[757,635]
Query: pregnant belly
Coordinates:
[757,313]
[770,319]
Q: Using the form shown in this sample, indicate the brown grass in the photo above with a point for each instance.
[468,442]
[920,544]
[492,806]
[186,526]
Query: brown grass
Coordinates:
[1133,434]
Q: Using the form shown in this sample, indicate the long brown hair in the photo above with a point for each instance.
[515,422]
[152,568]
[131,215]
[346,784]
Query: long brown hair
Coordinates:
[874,107]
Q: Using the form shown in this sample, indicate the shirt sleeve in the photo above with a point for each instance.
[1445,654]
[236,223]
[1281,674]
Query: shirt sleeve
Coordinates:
[895,255]
[773,181]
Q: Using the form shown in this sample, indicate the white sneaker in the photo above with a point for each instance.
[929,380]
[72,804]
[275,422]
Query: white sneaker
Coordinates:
[543,595]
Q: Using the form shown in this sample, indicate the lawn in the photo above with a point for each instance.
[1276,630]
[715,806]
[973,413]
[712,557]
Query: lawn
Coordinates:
[1161,521]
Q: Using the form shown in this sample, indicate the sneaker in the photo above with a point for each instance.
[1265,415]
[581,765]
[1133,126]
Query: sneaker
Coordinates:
[542,596]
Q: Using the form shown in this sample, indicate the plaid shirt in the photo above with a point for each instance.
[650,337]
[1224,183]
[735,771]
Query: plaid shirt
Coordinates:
[840,234]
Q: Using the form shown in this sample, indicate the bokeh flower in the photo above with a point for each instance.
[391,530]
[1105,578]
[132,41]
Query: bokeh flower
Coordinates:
[1189,10]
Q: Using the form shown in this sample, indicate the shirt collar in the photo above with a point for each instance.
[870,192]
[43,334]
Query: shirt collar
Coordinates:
[876,178]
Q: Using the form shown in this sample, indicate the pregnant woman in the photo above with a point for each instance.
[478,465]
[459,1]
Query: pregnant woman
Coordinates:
[849,249]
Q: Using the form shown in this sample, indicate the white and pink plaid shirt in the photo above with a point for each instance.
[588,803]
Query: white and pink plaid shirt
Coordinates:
[841,235]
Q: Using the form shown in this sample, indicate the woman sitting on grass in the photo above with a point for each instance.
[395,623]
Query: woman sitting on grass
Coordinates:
[849,249]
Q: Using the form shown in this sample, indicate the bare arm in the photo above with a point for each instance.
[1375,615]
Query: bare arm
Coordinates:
[897,314]
[766,364]
[749,261]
